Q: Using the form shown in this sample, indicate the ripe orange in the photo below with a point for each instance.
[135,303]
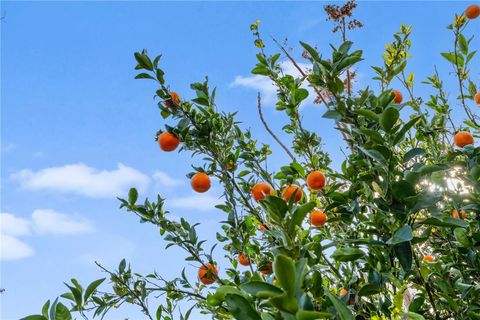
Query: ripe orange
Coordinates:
[318,218]
[243,259]
[290,190]
[200,182]
[316,180]
[463,138]
[455,214]
[262,228]
[207,273]
[398,96]
[477,98]
[168,141]
[428,259]
[261,190]
[175,98]
[472,11]
[266,268]
[343,292]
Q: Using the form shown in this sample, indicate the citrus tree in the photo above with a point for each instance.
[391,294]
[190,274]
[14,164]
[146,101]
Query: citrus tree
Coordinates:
[395,234]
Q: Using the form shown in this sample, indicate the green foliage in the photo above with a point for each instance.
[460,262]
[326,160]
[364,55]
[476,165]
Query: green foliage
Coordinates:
[388,206]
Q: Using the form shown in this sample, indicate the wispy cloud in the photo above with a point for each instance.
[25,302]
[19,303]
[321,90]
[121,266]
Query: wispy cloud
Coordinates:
[47,221]
[12,248]
[162,179]
[43,222]
[265,86]
[201,202]
[83,180]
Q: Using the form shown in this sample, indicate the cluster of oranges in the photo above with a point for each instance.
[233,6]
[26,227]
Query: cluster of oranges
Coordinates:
[315,181]
[168,142]
[200,182]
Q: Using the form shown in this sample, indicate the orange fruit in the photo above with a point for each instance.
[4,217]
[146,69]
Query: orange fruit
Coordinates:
[168,141]
[477,98]
[428,259]
[207,274]
[290,190]
[262,228]
[318,218]
[175,98]
[200,182]
[455,214]
[343,292]
[397,96]
[472,11]
[266,268]
[316,180]
[463,138]
[261,190]
[243,259]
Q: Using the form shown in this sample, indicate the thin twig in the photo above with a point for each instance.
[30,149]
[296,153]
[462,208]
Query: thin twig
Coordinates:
[260,113]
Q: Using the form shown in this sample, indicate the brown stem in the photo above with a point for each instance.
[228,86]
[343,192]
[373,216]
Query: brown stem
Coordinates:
[260,113]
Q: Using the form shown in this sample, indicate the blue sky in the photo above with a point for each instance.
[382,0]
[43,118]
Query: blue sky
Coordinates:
[77,129]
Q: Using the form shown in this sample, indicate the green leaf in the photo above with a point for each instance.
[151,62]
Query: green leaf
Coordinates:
[299,215]
[445,222]
[222,292]
[462,44]
[284,269]
[261,71]
[132,196]
[240,308]
[62,313]
[403,234]
[144,76]
[276,207]
[348,254]
[369,289]
[313,53]
[412,153]
[91,288]
[374,154]
[403,251]
[285,303]
[343,311]
[332,114]
[388,118]
[312,315]
[461,236]
[261,289]
[400,134]
[144,61]
[367,114]
[45,309]
[413,316]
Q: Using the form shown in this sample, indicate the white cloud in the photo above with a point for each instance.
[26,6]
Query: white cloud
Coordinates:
[12,248]
[47,221]
[197,202]
[14,226]
[265,86]
[162,179]
[43,222]
[83,180]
